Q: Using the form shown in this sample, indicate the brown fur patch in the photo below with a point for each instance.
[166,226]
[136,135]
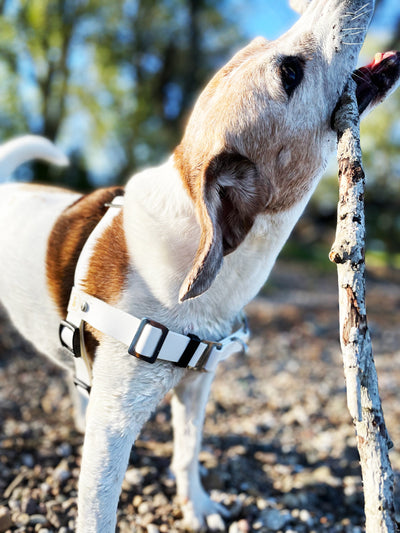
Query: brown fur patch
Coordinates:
[107,273]
[67,238]
[108,265]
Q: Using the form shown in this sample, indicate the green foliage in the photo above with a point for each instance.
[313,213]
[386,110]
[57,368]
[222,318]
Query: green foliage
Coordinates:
[112,80]
[381,145]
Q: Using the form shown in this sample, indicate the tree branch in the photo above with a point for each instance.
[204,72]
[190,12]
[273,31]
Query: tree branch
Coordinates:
[348,252]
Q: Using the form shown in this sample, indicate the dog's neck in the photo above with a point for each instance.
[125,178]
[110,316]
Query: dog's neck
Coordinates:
[162,235]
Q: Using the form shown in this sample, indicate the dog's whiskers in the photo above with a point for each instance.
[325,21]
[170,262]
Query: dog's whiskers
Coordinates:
[351,13]
[355,33]
[361,8]
[362,76]
[351,44]
[365,13]
[361,12]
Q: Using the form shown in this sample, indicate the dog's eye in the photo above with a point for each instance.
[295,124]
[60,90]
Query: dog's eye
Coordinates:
[291,70]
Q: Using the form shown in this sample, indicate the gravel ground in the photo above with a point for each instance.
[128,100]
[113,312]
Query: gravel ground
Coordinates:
[278,448]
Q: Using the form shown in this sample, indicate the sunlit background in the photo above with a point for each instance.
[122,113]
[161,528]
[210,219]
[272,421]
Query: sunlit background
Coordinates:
[113,82]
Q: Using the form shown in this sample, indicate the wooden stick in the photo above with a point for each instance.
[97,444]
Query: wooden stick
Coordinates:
[348,252]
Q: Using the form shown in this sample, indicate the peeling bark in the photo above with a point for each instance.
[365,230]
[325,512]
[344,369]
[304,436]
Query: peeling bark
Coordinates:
[347,252]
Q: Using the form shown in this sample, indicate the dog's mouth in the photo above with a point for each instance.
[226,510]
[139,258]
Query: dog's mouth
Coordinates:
[376,80]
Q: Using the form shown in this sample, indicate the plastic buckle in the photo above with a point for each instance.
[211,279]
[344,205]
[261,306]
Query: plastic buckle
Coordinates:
[75,349]
[205,356]
[83,387]
[132,348]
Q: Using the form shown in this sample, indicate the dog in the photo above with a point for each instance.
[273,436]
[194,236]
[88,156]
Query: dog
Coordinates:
[136,290]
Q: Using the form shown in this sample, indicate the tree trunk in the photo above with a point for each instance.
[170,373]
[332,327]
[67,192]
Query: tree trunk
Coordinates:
[348,253]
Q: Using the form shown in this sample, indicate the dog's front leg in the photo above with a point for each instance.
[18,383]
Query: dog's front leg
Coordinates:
[124,393]
[188,410]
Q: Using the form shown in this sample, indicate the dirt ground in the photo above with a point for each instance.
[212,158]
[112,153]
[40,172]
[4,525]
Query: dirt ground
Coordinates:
[279,446]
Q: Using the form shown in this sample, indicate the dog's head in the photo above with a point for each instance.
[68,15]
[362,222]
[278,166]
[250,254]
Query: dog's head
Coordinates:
[260,133]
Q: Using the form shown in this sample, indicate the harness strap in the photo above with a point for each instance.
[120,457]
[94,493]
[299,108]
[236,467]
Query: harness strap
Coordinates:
[148,340]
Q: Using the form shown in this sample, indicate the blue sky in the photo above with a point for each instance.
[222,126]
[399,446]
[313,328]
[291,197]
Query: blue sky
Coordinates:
[271,18]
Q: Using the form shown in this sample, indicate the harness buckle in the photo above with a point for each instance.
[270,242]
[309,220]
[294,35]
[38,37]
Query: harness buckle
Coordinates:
[82,386]
[205,356]
[132,348]
[70,337]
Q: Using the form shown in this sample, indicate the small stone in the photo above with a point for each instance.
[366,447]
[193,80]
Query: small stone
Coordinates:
[20,519]
[291,500]
[261,504]
[64,449]
[27,460]
[145,508]
[215,522]
[146,519]
[71,524]
[5,519]
[29,506]
[242,526]
[124,527]
[45,488]
[150,490]
[54,518]
[275,520]
[306,517]
[14,504]
[68,504]
[134,477]
[62,472]
[38,519]
[137,500]
[152,528]
[160,500]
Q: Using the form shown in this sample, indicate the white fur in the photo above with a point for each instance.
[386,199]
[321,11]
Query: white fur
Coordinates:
[29,214]
[164,267]
[162,232]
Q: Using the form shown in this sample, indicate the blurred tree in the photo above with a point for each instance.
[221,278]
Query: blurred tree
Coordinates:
[380,140]
[114,80]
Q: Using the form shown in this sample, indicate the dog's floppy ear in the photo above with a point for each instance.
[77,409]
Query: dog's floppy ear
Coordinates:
[231,196]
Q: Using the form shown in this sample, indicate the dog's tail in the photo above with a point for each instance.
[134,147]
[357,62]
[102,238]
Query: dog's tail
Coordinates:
[22,149]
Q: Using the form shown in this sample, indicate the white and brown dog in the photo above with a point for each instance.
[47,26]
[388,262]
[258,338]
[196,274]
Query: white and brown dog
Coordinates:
[186,245]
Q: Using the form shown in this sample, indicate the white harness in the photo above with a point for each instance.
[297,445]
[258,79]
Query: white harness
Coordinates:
[145,339]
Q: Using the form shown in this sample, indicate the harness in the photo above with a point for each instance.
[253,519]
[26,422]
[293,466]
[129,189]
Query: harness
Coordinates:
[144,338]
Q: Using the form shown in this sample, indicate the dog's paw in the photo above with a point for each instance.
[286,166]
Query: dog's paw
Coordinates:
[203,514]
